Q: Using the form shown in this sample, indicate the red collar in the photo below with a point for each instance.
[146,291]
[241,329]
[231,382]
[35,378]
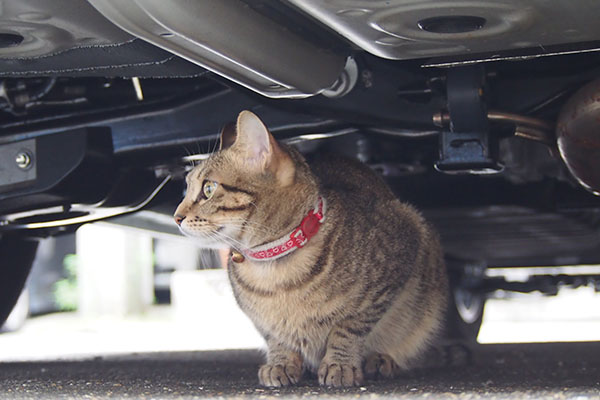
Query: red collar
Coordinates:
[297,239]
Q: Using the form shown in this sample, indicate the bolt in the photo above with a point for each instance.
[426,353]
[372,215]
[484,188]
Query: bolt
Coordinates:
[367,78]
[23,160]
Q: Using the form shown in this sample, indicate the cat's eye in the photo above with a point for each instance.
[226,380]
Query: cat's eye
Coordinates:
[208,189]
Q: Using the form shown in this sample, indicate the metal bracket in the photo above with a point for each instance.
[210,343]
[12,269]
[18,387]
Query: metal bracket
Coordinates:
[18,164]
[74,214]
[466,148]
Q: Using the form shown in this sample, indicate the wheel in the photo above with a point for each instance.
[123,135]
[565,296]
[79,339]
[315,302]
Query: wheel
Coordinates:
[466,301]
[464,317]
[17,254]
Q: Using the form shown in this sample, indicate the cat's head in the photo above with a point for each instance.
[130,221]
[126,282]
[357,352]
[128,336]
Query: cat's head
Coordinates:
[246,193]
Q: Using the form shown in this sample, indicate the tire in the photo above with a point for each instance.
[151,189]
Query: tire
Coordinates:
[16,255]
[464,316]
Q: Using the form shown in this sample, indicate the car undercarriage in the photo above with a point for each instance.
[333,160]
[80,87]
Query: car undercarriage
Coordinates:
[483,114]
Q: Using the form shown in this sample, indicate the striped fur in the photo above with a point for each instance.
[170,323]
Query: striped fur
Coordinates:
[369,290]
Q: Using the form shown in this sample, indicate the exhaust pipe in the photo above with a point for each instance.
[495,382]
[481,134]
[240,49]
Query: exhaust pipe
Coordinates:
[578,135]
[233,40]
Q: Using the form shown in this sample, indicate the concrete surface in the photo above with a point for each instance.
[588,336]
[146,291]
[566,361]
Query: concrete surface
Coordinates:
[155,355]
[513,371]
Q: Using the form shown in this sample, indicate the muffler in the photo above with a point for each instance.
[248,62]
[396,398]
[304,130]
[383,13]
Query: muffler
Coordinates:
[578,135]
[233,40]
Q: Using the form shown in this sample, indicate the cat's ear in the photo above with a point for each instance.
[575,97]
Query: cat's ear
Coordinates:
[228,135]
[253,140]
[260,149]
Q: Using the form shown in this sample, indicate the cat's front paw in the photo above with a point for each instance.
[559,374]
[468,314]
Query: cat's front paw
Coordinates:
[383,365]
[338,374]
[277,375]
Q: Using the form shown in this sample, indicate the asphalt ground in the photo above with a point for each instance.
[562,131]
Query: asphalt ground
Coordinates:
[512,371]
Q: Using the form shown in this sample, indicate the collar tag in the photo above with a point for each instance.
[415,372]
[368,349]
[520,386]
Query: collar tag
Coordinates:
[308,228]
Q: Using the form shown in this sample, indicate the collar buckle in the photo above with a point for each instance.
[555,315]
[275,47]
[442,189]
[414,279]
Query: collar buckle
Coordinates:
[299,237]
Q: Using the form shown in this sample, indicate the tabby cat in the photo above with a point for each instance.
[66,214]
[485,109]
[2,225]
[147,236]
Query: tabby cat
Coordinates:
[338,275]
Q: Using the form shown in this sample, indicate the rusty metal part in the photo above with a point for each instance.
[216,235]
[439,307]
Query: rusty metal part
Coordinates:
[578,135]
[525,127]
[534,134]
[520,120]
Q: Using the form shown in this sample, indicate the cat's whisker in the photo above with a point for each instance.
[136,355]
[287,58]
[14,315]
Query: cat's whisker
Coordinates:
[254,223]
[212,152]
[234,242]
[188,156]
[254,230]
[216,239]
[198,145]
[214,149]
[256,226]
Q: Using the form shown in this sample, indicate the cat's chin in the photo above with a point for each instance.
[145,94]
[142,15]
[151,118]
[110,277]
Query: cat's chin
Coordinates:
[211,245]
[204,241]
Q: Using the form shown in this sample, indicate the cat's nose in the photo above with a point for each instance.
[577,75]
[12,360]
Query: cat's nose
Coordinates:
[179,219]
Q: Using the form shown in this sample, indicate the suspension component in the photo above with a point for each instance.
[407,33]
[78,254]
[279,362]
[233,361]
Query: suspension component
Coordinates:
[467,146]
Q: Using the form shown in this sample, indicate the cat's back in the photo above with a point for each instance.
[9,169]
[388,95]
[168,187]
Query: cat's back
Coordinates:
[349,177]
[366,211]
[391,253]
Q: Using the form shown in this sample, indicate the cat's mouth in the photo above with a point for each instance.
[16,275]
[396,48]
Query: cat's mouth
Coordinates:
[200,234]
[215,238]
